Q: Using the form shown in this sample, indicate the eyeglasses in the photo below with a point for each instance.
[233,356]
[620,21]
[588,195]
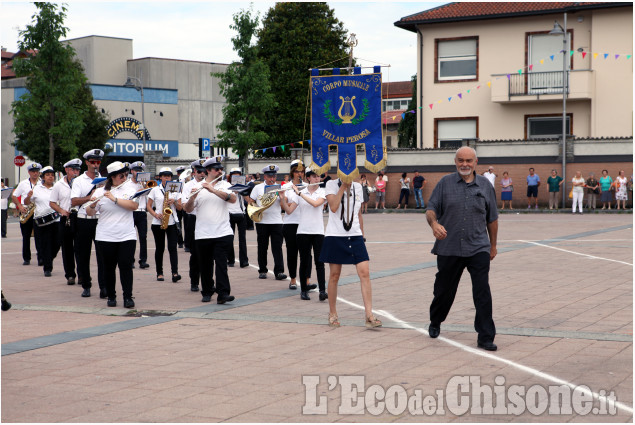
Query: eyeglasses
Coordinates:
[94,161]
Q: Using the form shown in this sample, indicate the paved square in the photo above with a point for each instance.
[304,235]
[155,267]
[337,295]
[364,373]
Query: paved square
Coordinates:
[562,288]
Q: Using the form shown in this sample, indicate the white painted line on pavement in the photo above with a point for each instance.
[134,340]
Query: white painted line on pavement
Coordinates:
[494,357]
[576,253]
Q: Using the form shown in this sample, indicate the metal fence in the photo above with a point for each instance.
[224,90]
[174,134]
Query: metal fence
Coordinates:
[536,83]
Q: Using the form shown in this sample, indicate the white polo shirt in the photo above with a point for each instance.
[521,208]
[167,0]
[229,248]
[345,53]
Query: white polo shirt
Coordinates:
[82,185]
[156,194]
[187,191]
[335,226]
[271,215]
[115,224]
[143,199]
[296,217]
[61,194]
[42,197]
[212,213]
[24,188]
[312,221]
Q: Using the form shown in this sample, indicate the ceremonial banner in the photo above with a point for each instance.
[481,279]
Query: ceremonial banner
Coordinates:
[345,112]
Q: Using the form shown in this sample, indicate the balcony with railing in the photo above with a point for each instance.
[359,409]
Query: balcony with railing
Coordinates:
[537,86]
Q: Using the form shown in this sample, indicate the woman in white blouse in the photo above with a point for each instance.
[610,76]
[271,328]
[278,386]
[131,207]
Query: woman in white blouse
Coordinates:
[115,234]
[308,204]
[155,199]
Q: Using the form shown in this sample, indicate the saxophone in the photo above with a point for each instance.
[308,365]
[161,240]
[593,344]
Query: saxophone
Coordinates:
[30,209]
[167,211]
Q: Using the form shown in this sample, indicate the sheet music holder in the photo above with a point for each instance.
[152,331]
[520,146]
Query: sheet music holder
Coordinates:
[272,188]
[236,179]
[6,192]
[238,187]
[143,177]
[140,193]
[173,186]
[98,180]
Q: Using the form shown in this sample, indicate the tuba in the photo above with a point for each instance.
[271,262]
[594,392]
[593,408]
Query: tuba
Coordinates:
[30,209]
[268,199]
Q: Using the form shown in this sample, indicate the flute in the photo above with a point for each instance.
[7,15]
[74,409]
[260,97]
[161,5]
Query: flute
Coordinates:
[99,198]
[201,188]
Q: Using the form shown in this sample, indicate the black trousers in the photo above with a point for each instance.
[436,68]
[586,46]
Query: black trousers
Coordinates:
[179,226]
[290,231]
[404,194]
[117,254]
[159,242]
[305,244]
[141,223]
[445,286]
[68,252]
[238,221]
[26,229]
[84,238]
[49,245]
[213,252]
[264,232]
[5,214]
[189,221]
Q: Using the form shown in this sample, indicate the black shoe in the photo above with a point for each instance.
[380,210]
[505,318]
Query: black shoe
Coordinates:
[112,303]
[47,274]
[180,245]
[143,265]
[281,276]
[262,275]
[323,295]
[128,303]
[70,281]
[224,299]
[293,286]
[206,298]
[304,295]
[160,278]
[194,288]
[86,293]
[6,305]
[40,263]
[186,249]
[489,345]
[26,262]
[434,330]
[103,294]
[311,286]
[230,264]
[176,277]
[133,266]
[242,266]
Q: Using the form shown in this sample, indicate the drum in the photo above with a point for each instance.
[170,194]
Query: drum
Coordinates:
[46,219]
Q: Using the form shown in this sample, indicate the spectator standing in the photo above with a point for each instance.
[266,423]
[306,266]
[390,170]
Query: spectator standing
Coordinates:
[418,182]
[5,211]
[578,191]
[366,193]
[491,176]
[380,190]
[554,181]
[533,181]
[621,193]
[605,189]
[506,190]
[405,190]
[593,189]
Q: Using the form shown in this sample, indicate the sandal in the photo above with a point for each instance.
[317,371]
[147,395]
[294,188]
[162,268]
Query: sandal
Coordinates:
[160,278]
[373,322]
[293,286]
[334,322]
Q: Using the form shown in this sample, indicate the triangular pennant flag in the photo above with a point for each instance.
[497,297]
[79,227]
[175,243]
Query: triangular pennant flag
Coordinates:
[478,87]
[552,56]
[468,92]
[509,76]
[412,112]
[617,56]
[440,101]
[571,53]
[460,95]
[628,56]
[489,84]
[583,55]
[274,149]
[606,55]
[264,150]
[308,141]
[531,67]
[430,105]
[282,148]
[302,143]
[450,99]
[256,151]
[595,55]
[542,61]
[520,72]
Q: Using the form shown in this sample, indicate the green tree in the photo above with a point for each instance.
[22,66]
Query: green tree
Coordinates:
[407,132]
[245,86]
[57,109]
[295,37]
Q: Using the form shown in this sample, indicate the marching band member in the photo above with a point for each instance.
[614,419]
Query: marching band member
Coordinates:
[81,192]
[46,218]
[139,215]
[199,173]
[115,234]
[309,203]
[290,223]
[179,213]
[156,197]
[344,244]
[26,228]
[213,235]
[61,202]
[269,227]
[237,221]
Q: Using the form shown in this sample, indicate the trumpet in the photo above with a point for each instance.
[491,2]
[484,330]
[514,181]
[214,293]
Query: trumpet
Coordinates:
[149,184]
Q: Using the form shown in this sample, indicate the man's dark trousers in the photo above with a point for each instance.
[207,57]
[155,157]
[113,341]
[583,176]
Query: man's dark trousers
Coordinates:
[264,232]
[446,284]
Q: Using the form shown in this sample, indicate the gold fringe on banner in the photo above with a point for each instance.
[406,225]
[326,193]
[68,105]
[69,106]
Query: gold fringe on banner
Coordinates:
[375,168]
[320,170]
[348,178]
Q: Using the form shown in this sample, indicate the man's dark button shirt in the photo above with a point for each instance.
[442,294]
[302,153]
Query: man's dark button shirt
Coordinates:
[464,209]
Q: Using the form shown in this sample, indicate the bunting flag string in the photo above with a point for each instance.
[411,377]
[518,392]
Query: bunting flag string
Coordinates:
[282,147]
[530,67]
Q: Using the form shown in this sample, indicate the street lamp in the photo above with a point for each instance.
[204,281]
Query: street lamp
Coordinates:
[137,84]
[559,30]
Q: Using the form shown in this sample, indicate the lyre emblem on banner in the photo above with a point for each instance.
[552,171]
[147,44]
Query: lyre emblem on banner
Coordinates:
[347,104]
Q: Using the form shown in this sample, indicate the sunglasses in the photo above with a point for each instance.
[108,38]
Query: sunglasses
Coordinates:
[94,161]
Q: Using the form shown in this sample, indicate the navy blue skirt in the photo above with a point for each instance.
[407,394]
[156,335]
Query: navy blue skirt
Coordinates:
[344,250]
[506,196]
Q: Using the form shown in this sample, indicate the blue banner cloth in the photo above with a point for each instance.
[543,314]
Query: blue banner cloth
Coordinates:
[345,112]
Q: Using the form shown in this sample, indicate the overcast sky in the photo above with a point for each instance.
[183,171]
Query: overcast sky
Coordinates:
[200,30]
